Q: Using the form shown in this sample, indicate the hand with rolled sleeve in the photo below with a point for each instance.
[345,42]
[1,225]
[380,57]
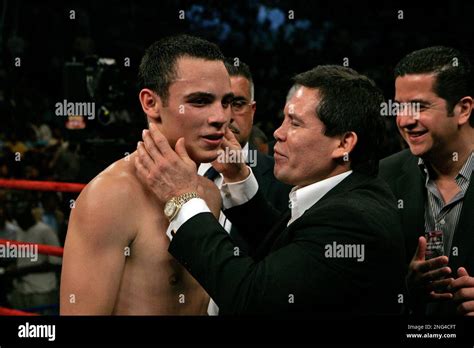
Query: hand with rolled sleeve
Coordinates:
[167,172]
[233,171]
[170,173]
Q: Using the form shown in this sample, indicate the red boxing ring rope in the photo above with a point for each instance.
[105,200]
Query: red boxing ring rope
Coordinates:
[13,312]
[42,248]
[41,185]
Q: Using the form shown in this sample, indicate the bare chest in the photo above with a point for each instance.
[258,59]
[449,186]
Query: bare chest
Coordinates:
[155,281]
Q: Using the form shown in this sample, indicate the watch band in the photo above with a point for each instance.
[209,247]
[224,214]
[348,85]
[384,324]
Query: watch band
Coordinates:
[181,199]
[173,206]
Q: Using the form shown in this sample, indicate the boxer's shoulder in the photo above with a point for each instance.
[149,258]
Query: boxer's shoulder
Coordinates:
[113,197]
[116,181]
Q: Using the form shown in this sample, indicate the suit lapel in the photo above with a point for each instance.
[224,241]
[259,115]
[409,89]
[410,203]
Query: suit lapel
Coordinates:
[463,238]
[410,189]
[353,180]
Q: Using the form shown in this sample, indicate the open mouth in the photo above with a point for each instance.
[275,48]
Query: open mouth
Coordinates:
[415,136]
[213,139]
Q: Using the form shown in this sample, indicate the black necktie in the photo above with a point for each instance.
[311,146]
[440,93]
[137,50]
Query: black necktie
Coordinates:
[211,173]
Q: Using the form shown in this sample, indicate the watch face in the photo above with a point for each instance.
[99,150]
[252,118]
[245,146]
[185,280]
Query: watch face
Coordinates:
[170,207]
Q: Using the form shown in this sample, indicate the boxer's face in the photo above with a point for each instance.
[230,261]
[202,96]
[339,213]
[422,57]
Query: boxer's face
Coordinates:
[198,107]
[303,154]
[431,131]
[243,110]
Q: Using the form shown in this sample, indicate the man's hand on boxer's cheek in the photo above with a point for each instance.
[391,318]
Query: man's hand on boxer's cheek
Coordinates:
[167,172]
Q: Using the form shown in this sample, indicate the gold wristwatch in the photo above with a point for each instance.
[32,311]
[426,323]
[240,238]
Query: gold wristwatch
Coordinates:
[173,206]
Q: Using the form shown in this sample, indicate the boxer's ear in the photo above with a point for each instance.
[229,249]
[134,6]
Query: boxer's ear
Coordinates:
[151,104]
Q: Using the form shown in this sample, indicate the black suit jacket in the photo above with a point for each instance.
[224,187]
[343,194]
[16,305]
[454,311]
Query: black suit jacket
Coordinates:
[273,190]
[407,182]
[290,270]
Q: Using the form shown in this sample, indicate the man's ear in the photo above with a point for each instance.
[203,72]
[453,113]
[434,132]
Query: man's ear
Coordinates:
[151,104]
[347,142]
[464,108]
[253,106]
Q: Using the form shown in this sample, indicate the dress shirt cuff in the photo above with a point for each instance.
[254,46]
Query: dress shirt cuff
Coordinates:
[240,192]
[188,210]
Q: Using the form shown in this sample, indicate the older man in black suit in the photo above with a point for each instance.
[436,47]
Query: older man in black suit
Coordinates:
[339,250]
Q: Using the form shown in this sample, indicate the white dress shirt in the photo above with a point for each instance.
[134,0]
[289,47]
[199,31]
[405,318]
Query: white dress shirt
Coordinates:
[238,193]
[301,199]
[203,168]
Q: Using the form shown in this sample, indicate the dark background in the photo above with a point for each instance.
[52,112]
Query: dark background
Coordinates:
[57,52]
[371,36]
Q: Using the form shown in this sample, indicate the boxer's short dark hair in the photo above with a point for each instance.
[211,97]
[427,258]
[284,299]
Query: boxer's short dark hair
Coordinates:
[349,102]
[158,66]
[454,72]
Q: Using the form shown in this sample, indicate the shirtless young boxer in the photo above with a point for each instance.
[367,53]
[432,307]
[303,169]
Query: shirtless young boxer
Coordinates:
[116,258]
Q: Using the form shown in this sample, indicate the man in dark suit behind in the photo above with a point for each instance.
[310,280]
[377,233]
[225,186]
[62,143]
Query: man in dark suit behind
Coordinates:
[339,250]
[433,180]
[243,109]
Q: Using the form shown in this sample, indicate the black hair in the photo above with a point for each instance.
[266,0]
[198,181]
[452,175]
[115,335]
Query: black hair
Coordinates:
[236,67]
[158,66]
[350,102]
[454,74]
[25,218]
